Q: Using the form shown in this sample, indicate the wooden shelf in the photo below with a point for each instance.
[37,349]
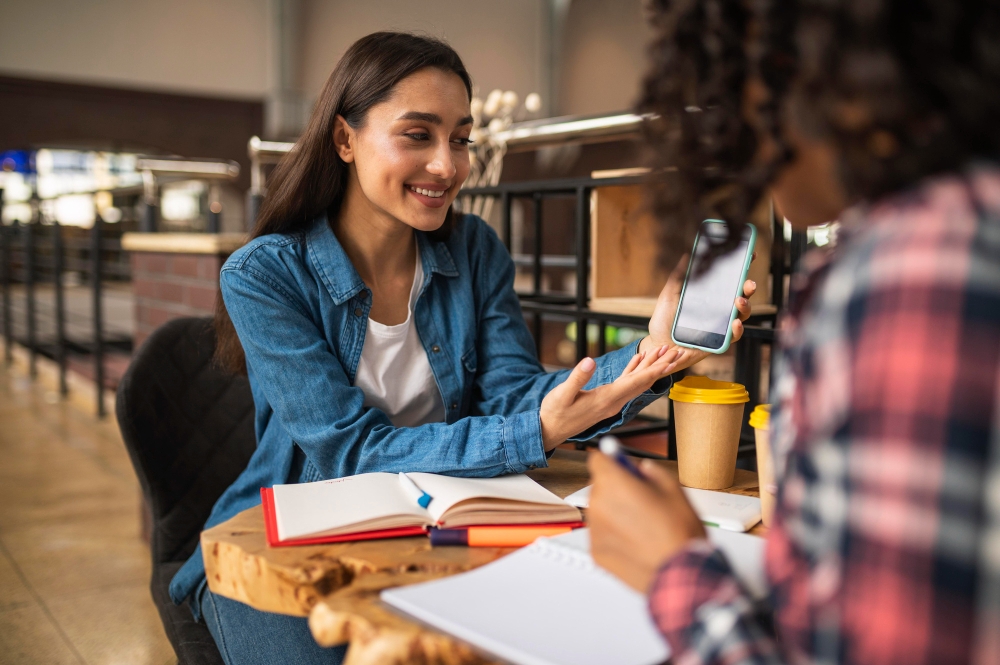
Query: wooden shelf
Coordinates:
[626,276]
[634,306]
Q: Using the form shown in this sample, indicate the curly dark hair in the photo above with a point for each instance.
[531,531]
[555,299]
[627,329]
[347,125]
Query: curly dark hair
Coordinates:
[904,89]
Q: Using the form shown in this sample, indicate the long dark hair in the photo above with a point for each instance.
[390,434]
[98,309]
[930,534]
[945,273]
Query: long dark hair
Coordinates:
[312,178]
[905,89]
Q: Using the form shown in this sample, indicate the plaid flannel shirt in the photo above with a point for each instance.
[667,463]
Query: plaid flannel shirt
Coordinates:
[886,540]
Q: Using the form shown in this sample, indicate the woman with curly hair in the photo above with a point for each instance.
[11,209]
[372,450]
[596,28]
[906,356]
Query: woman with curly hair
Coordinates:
[885,546]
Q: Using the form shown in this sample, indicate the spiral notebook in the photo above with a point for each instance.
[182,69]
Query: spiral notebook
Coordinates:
[550,604]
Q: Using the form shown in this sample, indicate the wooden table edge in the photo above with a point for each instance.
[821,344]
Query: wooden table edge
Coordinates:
[337,585]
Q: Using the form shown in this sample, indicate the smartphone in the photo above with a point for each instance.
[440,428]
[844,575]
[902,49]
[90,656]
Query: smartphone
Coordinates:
[707,309]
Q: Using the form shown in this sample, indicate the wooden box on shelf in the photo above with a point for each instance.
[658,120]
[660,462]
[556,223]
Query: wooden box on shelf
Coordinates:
[625,275]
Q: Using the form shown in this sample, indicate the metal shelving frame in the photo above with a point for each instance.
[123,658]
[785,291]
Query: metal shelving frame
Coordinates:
[32,254]
[759,329]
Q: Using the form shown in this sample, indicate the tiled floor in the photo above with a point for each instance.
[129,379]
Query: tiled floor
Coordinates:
[74,572]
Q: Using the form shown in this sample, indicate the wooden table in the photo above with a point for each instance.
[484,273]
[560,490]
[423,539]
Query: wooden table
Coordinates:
[337,586]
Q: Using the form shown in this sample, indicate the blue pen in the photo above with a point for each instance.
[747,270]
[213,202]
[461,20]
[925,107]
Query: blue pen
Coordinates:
[611,447]
[422,498]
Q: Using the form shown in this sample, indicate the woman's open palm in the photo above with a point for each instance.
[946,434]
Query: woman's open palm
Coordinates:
[568,409]
[662,320]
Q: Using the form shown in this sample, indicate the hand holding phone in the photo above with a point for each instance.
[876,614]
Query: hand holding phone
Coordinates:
[705,312]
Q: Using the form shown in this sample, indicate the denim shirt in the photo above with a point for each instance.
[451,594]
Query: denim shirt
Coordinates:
[301,312]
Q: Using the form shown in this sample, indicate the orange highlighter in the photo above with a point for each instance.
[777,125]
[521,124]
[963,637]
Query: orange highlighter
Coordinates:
[499,536]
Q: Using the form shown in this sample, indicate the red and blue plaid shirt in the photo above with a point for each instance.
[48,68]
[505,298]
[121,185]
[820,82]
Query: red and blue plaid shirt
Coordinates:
[886,540]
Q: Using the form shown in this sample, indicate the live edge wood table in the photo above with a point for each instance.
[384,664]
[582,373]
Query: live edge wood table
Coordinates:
[337,586]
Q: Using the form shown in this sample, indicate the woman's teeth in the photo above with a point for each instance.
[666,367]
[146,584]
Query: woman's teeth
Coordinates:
[427,192]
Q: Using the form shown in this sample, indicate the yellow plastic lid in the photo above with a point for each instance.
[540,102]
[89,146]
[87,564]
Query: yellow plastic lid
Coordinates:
[703,390]
[760,417]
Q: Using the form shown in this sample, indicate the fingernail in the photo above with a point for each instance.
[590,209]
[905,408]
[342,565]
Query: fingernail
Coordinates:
[663,349]
[754,283]
[588,365]
[741,301]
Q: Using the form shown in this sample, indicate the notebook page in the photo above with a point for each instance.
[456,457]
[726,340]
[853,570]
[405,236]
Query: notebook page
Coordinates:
[549,604]
[580,498]
[546,604]
[306,509]
[449,490]
[744,552]
[733,512]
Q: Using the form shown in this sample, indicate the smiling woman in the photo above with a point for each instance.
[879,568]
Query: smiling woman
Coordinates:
[315,178]
[407,162]
[381,332]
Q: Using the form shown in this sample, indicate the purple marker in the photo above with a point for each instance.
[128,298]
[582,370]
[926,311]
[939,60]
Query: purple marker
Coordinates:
[611,447]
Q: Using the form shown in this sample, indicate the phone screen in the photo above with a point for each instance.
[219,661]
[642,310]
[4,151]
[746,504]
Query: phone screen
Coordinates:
[706,309]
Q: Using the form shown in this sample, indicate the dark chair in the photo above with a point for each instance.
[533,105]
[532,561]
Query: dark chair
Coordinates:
[189,430]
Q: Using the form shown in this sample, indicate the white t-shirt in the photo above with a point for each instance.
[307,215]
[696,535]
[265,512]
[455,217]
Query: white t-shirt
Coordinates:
[394,372]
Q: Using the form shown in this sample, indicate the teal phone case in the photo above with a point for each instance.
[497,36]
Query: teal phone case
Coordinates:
[739,292]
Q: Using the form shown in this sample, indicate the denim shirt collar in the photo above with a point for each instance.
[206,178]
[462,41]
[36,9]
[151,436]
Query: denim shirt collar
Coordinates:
[337,272]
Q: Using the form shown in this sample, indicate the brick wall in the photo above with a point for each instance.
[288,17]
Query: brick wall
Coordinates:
[168,285]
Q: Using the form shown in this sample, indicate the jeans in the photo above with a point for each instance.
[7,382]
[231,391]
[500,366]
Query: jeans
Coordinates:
[246,636]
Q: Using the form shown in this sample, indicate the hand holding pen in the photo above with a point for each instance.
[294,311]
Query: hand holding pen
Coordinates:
[612,447]
[638,516]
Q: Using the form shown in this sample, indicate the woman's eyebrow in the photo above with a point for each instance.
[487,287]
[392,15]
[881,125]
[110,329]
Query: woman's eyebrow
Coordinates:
[432,118]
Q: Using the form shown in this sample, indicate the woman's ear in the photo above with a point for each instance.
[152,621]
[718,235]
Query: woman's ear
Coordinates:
[344,138]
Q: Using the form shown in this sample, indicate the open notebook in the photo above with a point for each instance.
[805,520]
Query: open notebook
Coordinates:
[550,604]
[383,505]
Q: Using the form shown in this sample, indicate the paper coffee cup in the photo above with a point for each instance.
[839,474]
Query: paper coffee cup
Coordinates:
[760,420]
[708,417]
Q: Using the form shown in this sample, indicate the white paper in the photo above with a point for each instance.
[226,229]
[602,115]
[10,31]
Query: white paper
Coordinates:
[733,512]
[745,554]
[446,491]
[307,509]
[329,506]
[550,604]
[546,604]
[579,498]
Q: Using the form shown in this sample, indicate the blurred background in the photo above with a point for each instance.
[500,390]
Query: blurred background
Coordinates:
[199,78]
[135,142]
[95,97]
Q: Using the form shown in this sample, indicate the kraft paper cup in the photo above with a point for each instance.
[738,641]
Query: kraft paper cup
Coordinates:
[760,420]
[708,417]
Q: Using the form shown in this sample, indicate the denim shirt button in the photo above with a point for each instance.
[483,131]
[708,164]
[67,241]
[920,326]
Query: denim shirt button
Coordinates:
[454,405]
[532,467]
[357,311]
[436,348]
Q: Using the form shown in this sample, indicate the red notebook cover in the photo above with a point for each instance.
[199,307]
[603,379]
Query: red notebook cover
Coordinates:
[271,529]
